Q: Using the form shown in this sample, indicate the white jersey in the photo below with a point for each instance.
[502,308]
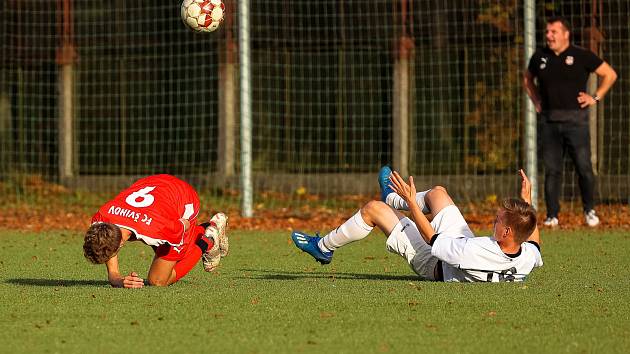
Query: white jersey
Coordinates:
[480,259]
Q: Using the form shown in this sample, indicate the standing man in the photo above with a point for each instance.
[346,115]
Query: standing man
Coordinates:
[160,211]
[560,97]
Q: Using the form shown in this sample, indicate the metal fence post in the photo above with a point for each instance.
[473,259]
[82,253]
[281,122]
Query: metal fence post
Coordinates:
[246,109]
[529,9]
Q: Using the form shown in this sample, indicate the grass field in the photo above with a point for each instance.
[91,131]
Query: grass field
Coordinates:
[269,298]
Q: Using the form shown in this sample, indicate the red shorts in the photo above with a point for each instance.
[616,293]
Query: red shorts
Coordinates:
[170,253]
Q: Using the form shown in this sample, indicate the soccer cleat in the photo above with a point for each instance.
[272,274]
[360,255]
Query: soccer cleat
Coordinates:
[384,182]
[309,245]
[220,220]
[591,218]
[211,258]
[551,222]
[216,231]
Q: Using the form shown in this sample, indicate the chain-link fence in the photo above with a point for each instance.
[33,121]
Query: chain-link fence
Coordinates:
[93,93]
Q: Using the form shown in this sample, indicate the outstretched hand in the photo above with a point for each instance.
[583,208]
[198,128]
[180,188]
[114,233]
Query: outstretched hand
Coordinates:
[526,187]
[407,191]
[133,281]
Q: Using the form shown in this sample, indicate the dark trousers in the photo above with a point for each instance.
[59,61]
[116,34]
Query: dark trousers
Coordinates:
[574,139]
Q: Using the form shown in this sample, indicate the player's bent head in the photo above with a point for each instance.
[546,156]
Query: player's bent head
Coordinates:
[520,216]
[102,241]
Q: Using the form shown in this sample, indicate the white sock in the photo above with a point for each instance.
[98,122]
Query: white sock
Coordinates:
[353,229]
[396,202]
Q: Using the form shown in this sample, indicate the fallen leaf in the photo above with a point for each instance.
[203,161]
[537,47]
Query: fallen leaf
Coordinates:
[326,315]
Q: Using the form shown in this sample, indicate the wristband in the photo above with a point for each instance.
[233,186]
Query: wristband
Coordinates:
[597,98]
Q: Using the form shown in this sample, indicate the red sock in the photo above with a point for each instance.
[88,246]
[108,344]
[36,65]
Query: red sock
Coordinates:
[192,256]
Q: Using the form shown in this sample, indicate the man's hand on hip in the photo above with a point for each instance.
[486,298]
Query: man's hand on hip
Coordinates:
[585,100]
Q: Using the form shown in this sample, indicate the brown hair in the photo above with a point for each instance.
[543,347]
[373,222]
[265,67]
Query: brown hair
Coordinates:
[520,216]
[565,23]
[102,241]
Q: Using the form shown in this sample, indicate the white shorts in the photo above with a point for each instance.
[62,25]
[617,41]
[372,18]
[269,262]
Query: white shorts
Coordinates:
[406,241]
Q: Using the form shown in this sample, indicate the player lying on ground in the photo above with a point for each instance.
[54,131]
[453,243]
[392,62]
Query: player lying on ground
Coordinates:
[160,211]
[443,249]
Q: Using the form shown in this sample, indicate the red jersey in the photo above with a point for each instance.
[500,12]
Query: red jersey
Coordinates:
[151,208]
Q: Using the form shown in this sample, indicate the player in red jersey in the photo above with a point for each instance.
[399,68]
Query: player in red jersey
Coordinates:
[160,211]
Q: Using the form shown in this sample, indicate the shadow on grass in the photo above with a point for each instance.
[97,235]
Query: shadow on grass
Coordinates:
[284,275]
[56,282]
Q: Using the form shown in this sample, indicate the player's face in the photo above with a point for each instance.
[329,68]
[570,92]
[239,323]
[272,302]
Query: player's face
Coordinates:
[557,37]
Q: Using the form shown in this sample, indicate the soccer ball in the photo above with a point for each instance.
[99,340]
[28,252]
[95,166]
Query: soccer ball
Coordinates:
[202,15]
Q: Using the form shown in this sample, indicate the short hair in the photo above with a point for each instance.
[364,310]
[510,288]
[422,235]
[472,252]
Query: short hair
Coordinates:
[102,241]
[565,23]
[520,216]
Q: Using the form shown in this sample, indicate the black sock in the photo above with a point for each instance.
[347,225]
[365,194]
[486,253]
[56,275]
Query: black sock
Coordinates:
[202,244]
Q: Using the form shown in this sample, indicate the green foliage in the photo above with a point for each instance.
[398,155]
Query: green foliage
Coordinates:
[500,15]
[267,297]
[494,122]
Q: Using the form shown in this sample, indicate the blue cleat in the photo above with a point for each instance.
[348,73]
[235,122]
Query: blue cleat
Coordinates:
[384,182]
[309,245]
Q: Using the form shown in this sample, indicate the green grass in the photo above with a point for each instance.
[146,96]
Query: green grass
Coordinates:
[267,297]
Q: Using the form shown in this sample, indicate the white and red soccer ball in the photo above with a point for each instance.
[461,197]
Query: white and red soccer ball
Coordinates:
[202,15]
